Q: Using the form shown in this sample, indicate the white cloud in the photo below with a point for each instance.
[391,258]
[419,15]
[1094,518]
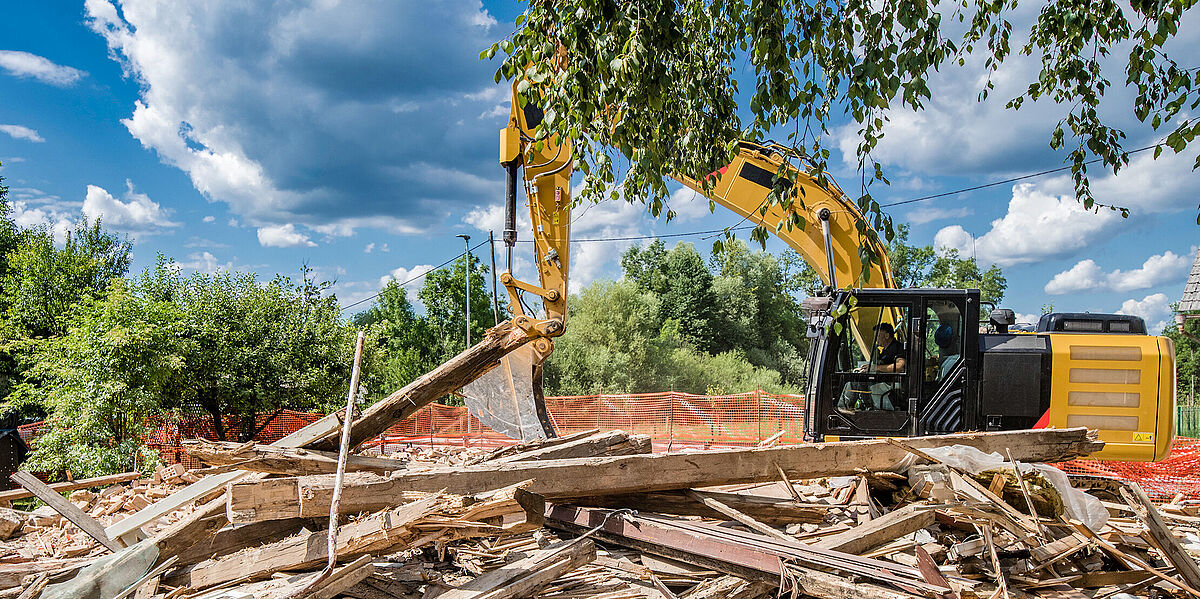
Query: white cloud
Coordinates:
[318,114]
[209,219]
[35,208]
[1023,318]
[1154,309]
[1037,226]
[24,64]
[200,242]
[21,132]
[688,204]
[370,247]
[283,236]
[137,215]
[205,262]
[1086,275]
[410,279]
[1144,186]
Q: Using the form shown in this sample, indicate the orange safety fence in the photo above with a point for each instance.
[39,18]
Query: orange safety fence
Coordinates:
[673,420]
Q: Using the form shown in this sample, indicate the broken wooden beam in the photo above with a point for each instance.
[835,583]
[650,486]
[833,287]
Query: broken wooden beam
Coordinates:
[747,555]
[434,518]
[890,526]
[73,485]
[309,496]
[610,443]
[197,526]
[69,510]
[524,578]
[288,461]
[768,510]
[467,366]
[1166,542]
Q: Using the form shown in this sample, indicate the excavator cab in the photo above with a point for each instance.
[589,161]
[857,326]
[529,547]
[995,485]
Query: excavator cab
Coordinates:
[889,362]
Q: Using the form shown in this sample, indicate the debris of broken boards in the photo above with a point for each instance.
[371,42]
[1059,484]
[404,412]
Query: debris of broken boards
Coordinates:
[931,531]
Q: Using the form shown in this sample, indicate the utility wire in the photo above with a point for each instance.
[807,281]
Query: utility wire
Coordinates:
[593,240]
[1012,180]
[460,255]
[696,233]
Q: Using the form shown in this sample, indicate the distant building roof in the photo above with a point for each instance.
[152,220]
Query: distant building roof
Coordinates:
[1191,291]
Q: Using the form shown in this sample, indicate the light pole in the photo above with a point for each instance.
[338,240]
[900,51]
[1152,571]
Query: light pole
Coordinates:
[467,242]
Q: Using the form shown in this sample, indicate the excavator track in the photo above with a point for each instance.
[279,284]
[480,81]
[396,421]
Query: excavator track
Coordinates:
[1103,487]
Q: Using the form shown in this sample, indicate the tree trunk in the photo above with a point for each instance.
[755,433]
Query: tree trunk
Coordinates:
[213,407]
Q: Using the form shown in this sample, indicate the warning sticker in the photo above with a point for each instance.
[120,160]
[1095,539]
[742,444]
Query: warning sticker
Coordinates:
[1143,437]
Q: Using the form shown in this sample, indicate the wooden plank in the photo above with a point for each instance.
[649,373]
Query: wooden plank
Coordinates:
[83,483]
[35,588]
[890,526]
[235,538]
[291,461]
[377,532]
[769,510]
[1166,542]
[611,443]
[1132,562]
[758,560]
[68,510]
[467,366]
[435,518]
[154,572]
[341,579]
[581,477]
[747,521]
[526,577]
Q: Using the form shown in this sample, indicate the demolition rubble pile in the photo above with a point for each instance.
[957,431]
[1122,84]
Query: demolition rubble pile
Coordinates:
[595,514]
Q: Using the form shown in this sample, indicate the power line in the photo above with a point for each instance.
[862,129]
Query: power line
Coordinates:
[367,299]
[593,240]
[1006,181]
[727,229]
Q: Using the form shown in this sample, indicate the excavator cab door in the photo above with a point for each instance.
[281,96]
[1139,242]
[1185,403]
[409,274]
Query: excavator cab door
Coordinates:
[868,369]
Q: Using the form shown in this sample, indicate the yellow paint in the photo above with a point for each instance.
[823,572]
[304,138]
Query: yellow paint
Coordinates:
[1121,385]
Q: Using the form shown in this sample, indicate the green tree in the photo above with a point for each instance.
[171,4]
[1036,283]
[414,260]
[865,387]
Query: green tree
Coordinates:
[922,266]
[121,357]
[443,295]
[759,314]
[616,343]
[664,83]
[42,282]
[682,283]
[407,344]
[688,298]
[950,270]
[252,347]
[910,263]
[1187,359]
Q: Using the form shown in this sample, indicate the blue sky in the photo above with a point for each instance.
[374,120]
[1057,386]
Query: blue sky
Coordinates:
[361,138]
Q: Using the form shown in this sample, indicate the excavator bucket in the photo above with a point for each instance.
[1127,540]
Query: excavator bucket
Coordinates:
[508,398]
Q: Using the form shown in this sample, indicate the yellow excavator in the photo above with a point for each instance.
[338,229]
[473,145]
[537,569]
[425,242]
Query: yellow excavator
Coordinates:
[882,361]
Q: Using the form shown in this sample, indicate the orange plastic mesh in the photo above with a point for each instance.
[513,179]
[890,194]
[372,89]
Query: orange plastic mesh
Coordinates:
[1178,474]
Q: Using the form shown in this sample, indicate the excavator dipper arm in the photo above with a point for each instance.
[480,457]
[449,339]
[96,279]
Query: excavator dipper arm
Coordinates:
[509,398]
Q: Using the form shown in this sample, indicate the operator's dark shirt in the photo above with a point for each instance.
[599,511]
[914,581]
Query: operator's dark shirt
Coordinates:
[890,353]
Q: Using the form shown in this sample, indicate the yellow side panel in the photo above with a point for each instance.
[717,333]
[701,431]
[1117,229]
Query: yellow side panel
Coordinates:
[1120,385]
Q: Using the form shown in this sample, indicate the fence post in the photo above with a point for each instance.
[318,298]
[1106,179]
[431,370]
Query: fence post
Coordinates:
[758,406]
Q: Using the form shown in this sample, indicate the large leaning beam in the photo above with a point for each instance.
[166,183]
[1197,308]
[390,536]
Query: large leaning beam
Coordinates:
[309,496]
[498,342]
